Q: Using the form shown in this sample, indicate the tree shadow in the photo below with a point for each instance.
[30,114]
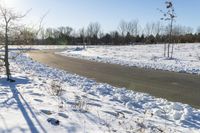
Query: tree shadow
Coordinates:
[22,104]
[192,121]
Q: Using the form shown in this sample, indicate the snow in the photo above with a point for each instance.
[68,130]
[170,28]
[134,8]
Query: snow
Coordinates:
[37,47]
[186,56]
[84,106]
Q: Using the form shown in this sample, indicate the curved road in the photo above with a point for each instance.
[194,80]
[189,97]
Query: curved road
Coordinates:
[177,87]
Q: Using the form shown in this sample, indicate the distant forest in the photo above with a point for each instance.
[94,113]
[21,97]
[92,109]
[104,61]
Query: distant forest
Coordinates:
[126,33]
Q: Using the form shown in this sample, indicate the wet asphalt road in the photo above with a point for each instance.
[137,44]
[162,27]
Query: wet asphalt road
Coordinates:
[177,87]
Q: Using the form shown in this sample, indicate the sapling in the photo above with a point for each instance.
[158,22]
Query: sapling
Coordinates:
[169,15]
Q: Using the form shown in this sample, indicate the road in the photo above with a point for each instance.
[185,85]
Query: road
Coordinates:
[177,87]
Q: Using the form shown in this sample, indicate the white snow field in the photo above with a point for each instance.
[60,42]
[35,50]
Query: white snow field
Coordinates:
[186,56]
[37,47]
[84,106]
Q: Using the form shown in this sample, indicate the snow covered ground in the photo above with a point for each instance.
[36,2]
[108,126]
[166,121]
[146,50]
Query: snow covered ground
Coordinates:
[186,56]
[38,47]
[84,106]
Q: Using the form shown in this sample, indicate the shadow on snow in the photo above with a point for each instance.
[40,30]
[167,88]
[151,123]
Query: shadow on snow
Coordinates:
[22,103]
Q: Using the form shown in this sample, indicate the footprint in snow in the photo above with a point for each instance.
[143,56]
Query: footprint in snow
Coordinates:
[127,112]
[38,100]
[71,103]
[92,99]
[63,115]
[37,94]
[47,112]
[115,100]
[3,93]
[95,104]
[111,113]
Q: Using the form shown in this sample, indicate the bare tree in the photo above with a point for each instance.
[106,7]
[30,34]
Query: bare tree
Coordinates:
[14,33]
[93,31]
[128,28]
[198,30]
[170,16]
[56,33]
[123,28]
[66,31]
[153,28]
[9,19]
[82,34]
[133,27]
[149,29]
[158,28]
[24,36]
[179,30]
[49,32]
[189,30]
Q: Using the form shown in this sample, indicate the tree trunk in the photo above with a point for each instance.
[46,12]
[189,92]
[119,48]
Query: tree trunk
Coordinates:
[6,54]
[165,50]
[170,37]
[168,48]
[172,52]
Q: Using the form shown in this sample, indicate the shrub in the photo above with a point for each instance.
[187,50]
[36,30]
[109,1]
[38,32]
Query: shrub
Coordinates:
[56,88]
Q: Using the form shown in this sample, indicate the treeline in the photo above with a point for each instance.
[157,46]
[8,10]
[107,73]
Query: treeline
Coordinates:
[126,33]
[116,39]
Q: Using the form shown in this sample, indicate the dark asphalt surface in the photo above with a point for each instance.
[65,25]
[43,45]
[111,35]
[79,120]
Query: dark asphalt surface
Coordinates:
[176,87]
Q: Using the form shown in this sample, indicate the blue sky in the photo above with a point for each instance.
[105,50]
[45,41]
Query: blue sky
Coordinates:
[79,13]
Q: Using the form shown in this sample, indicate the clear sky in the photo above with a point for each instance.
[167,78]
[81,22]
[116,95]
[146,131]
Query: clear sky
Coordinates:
[79,13]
